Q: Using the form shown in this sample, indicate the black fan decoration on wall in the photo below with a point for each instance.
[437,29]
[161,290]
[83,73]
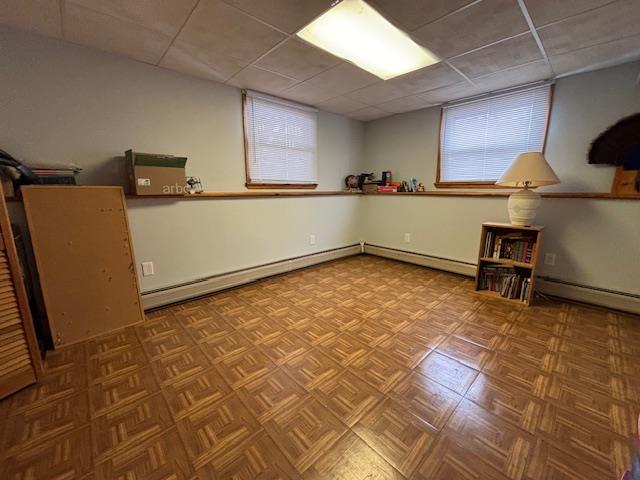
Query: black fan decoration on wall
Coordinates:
[619,145]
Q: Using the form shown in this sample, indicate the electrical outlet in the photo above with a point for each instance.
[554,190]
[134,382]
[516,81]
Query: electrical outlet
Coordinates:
[407,238]
[147,269]
[550,259]
[312,239]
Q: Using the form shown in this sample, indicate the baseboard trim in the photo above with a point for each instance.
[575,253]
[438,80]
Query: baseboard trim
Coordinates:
[439,263]
[197,288]
[623,301]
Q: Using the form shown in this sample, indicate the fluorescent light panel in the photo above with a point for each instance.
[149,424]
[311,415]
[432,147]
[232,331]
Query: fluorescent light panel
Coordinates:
[356,32]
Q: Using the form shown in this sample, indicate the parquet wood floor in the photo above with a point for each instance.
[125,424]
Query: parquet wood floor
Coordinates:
[363,368]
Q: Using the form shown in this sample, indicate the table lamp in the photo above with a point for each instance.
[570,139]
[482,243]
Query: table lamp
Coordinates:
[529,170]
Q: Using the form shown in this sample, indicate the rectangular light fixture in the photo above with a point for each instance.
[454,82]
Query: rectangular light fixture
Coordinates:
[356,32]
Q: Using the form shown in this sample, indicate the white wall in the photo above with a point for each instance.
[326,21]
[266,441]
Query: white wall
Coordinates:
[597,242]
[63,103]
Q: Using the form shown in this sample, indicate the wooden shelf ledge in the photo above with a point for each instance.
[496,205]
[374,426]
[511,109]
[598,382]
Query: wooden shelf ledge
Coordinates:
[506,261]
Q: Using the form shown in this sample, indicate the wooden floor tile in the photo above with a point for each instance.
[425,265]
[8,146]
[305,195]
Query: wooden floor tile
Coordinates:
[571,432]
[405,349]
[52,387]
[258,458]
[240,370]
[553,463]
[358,368]
[111,343]
[158,458]
[116,363]
[503,446]
[397,435]
[284,347]
[519,374]
[305,431]
[69,456]
[214,434]
[448,459]
[116,392]
[507,402]
[347,396]
[479,336]
[465,352]
[426,399]
[270,393]
[311,369]
[448,372]
[351,459]
[379,370]
[208,328]
[345,349]
[169,369]
[44,422]
[195,392]
[123,428]
[430,337]
[217,349]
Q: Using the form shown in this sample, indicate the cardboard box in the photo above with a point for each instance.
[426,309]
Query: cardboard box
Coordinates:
[154,174]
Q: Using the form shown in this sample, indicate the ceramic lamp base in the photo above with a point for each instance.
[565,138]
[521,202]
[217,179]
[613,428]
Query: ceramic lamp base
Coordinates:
[523,205]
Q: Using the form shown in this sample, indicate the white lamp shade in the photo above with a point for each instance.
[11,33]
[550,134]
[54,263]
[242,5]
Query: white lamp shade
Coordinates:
[529,169]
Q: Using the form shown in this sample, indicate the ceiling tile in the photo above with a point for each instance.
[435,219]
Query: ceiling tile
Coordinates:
[405,104]
[257,79]
[473,27]
[378,92]
[309,94]
[298,59]
[520,75]
[39,16]
[94,29]
[411,14]
[221,31]
[546,11]
[164,16]
[190,60]
[368,113]
[599,56]
[449,93]
[428,78]
[499,56]
[287,15]
[341,105]
[614,21]
[343,78]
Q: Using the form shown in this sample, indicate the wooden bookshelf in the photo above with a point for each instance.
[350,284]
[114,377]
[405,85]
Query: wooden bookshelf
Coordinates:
[497,241]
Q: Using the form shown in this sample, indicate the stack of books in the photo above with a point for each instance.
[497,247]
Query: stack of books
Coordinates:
[513,246]
[504,280]
[52,175]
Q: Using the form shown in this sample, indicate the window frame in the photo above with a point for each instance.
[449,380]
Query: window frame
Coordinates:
[486,184]
[262,185]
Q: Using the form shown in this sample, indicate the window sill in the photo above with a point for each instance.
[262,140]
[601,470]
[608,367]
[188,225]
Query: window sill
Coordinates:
[277,186]
[468,185]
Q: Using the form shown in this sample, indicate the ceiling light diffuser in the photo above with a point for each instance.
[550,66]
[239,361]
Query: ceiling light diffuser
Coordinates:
[356,32]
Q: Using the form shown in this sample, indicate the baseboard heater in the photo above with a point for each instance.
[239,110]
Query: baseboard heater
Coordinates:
[624,301]
[558,288]
[204,286]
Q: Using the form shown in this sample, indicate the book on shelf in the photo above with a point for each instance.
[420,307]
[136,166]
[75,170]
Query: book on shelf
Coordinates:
[516,246]
[504,280]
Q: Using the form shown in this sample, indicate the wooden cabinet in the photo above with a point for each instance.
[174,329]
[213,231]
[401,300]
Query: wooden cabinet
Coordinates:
[82,247]
[19,355]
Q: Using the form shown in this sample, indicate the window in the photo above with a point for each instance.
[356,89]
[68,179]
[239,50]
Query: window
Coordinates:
[280,142]
[480,138]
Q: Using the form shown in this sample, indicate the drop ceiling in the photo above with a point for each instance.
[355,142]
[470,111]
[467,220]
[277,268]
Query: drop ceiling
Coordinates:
[485,45]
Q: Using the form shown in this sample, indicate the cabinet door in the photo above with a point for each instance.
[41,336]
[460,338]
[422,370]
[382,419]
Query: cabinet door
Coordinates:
[19,355]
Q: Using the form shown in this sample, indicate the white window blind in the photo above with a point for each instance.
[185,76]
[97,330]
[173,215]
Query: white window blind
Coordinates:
[281,141]
[480,138]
